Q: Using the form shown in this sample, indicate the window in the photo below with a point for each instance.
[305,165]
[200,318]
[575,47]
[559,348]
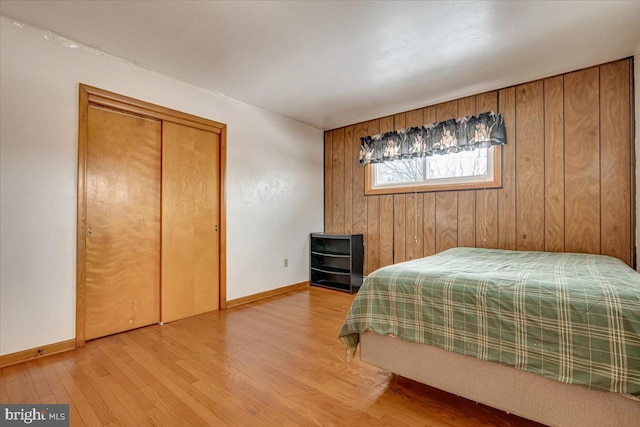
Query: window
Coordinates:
[480,168]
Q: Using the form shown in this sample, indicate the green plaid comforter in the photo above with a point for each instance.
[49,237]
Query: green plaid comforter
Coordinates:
[574,318]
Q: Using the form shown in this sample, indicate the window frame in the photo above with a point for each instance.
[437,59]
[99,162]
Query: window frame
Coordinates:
[425,187]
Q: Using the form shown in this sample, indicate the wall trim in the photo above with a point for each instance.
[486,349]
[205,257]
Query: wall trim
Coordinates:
[36,353]
[267,294]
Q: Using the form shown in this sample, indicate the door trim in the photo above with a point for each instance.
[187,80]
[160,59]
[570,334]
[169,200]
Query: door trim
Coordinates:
[89,95]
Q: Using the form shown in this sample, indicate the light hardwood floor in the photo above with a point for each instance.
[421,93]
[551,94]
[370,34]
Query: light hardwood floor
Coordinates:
[272,362]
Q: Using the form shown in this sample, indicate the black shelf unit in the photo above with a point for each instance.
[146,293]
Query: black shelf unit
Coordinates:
[337,261]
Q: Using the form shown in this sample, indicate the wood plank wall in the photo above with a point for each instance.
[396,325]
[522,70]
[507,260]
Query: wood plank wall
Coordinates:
[567,176]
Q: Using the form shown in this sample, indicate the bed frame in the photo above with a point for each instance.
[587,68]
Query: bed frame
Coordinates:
[518,392]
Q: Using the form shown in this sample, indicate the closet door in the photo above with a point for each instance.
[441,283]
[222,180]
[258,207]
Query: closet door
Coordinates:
[123,222]
[190,218]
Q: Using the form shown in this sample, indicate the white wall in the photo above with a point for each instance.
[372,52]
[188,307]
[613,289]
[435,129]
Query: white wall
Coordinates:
[274,173]
[637,127]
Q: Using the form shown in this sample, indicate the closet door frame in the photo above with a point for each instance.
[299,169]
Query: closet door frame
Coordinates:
[89,95]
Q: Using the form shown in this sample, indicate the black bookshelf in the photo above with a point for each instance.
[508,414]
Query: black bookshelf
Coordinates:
[337,261]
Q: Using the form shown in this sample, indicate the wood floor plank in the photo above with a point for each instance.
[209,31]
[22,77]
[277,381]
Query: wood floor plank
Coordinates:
[49,371]
[172,387]
[39,381]
[84,408]
[137,414]
[122,379]
[62,397]
[27,388]
[11,382]
[250,365]
[48,399]
[4,394]
[79,383]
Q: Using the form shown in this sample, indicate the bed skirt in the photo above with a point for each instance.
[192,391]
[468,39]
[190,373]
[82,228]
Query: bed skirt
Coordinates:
[518,392]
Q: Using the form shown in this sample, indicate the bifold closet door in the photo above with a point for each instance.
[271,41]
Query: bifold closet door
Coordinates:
[123,222]
[190,217]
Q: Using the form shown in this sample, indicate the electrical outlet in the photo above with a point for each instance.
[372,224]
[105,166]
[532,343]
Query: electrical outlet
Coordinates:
[286,262]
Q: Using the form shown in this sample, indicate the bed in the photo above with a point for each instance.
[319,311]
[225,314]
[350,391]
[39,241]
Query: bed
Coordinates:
[552,337]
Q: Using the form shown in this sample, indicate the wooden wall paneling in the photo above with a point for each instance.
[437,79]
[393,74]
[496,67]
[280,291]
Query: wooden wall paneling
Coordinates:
[399,227]
[447,110]
[386,124]
[467,199]
[446,221]
[530,166]
[429,204]
[429,114]
[328,182]
[553,165]
[372,238]
[507,194]
[486,199]
[414,222]
[446,201]
[337,181]
[568,154]
[582,161]
[414,203]
[372,241]
[349,153]
[429,224]
[386,211]
[358,203]
[399,121]
[486,218]
[615,161]
[386,230]
[414,118]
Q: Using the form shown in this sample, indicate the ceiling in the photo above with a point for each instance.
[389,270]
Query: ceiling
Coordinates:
[334,63]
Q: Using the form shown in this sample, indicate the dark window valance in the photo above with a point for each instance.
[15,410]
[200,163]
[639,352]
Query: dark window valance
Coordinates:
[451,136]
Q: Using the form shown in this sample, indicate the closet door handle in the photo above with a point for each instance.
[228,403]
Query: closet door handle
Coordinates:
[215,228]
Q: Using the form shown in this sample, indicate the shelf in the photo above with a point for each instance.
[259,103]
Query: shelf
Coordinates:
[331,254]
[326,269]
[332,285]
[337,261]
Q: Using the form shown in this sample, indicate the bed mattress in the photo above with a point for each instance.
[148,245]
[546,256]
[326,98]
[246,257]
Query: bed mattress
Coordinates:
[570,317]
